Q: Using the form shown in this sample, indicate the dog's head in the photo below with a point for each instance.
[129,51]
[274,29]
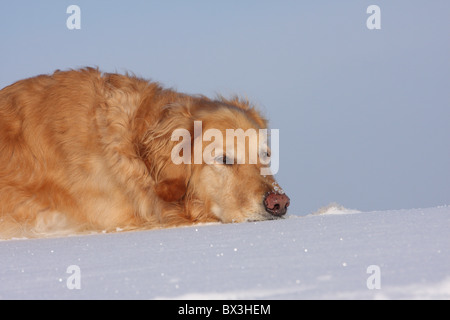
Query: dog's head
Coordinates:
[215,153]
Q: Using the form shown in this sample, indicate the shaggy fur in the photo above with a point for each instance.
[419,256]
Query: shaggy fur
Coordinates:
[82,151]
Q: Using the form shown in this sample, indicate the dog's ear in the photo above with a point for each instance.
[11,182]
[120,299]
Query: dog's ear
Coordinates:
[171,177]
[249,109]
[172,189]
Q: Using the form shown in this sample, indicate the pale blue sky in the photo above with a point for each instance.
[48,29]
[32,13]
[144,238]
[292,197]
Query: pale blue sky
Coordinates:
[363,114]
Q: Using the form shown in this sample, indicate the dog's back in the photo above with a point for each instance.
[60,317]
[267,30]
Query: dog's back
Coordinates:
[54,153]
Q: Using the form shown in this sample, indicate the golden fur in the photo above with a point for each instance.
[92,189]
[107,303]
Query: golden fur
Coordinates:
[82,151]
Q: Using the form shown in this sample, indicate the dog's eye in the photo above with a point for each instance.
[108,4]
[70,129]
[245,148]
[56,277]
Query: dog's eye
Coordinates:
[265,155]
[223,160]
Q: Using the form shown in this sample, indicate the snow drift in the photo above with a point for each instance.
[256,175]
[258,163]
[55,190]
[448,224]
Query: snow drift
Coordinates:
[401,254]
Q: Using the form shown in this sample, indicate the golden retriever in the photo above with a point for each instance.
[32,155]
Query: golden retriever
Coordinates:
[84,151]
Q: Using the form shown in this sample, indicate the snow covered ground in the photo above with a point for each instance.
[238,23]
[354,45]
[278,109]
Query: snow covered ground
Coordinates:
[338,254]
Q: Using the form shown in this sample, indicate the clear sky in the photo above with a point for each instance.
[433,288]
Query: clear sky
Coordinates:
[363,114]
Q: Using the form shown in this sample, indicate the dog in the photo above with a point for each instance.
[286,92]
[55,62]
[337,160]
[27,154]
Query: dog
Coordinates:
[83,151]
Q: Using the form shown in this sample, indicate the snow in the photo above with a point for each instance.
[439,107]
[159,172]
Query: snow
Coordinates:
[318,256]
[335,208]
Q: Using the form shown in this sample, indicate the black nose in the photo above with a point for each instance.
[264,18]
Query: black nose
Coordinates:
[276,203]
